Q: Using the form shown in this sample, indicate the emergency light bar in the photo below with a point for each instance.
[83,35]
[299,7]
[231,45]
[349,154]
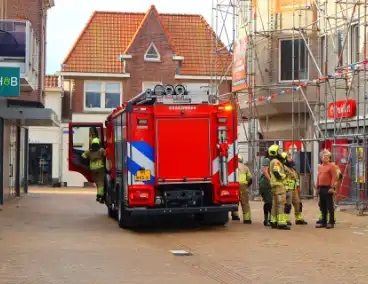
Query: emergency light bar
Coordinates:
[168,95]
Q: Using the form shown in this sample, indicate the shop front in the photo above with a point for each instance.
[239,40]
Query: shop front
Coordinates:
[16,117]
[346,139]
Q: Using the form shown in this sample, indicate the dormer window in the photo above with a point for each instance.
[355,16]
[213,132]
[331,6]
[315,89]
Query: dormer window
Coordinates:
[152,54]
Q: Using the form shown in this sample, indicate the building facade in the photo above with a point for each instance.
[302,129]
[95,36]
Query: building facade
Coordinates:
[306,65]
[118,55]
[22,67]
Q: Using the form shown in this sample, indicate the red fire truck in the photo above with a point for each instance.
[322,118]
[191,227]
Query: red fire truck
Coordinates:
[168,152]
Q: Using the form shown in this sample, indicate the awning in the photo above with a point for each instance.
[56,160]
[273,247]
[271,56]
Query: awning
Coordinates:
[30,116]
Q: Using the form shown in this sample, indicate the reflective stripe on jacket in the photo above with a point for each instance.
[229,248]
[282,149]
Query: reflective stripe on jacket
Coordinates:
[244,174]
[96,159]
[292,178]
[277,166]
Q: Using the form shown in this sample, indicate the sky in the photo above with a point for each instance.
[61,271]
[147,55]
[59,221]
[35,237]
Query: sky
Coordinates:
[68,18]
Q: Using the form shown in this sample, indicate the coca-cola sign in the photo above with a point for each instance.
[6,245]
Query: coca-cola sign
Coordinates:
[344,109]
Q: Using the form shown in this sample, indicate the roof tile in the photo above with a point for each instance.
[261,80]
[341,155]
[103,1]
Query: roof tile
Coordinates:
[109,34]
[51,81]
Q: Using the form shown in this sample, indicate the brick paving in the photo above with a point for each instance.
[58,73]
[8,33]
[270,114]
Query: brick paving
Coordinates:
[64,236]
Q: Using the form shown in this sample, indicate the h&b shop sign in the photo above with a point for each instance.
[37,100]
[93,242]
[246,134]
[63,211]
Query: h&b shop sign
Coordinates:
[9,82]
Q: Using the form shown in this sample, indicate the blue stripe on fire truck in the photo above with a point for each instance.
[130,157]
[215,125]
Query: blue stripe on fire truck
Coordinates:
[140,156]
[133,168]
[145,149]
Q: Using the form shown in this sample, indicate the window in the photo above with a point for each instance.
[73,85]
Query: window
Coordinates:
[300,59]
[102,95]
[152,53]
[243,12]
[323,54]
[354,44]
[340,53]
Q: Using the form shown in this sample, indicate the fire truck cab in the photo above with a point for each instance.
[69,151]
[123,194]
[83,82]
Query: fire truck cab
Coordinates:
[167,152]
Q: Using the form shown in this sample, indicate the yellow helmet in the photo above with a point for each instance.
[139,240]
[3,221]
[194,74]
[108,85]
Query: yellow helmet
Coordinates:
[360,150]
[273,150]
[284,155]
[96,141]
[240,158]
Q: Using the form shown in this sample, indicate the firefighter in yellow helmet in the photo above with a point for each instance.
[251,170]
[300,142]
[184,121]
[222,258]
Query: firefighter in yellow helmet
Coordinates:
[96,156]
[292,194]
[277,172]
[245,180]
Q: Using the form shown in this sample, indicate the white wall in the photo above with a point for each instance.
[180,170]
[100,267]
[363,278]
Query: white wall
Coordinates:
[48,135]
[53,100]
[149,85]
[89,117]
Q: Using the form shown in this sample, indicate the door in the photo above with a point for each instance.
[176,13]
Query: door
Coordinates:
[40,164]
[80,138]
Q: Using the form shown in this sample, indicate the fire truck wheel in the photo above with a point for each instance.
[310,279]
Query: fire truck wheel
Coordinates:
[112,213]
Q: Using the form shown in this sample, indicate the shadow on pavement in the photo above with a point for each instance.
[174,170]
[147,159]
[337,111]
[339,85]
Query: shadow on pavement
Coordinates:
[172,224]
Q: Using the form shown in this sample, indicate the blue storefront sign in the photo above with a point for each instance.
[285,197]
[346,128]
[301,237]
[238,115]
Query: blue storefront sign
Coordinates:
[9,82]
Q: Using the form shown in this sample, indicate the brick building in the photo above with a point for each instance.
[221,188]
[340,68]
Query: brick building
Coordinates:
[118,55]
[22,50]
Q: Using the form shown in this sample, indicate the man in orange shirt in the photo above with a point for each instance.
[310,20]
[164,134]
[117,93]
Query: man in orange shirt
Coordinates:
[326,181]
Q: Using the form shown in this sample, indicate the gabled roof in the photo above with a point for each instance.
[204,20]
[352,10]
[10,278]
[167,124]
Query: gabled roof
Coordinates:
[109,34]
[139,29]
[51,81]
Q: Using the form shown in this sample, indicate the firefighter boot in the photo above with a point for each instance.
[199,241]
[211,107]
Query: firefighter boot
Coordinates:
[319,221]
[100,199]
[273,222]
[287,214]
[299,218]
[235,216]
[247,218]
[100,195]
[282,222]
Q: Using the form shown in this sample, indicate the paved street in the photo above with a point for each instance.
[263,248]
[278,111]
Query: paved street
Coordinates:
[54,237]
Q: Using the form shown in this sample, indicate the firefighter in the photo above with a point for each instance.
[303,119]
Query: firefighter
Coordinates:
[96,156]
[245,180]
[265,189]
[338,178]
[292,191]
[277,173]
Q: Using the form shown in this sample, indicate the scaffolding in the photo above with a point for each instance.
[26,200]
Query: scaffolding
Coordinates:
[320,92]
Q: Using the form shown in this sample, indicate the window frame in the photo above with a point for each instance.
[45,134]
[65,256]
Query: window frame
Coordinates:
[152,59]
[243,13]
[103,95]
[323,53]
[279,61]
[340,49]
[357,42]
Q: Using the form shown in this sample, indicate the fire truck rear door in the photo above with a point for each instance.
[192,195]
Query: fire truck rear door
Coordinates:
[80,137]
[183,149]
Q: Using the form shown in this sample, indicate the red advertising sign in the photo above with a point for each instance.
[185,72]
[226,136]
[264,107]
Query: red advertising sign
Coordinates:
[291,147]
[346,108]
[239,79]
